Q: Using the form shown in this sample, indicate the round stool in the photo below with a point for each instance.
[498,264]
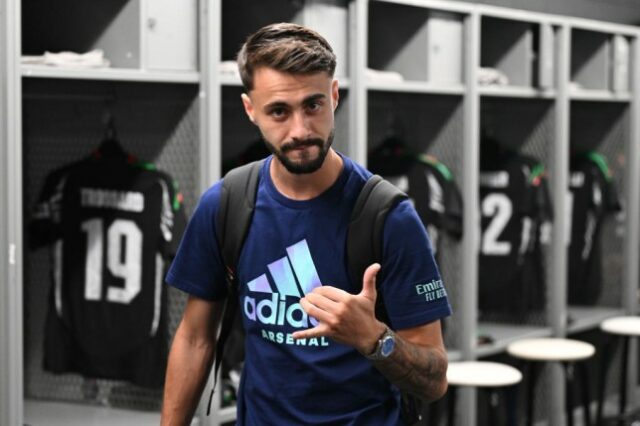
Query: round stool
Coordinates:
[619,328]
[481,374]
[553,349]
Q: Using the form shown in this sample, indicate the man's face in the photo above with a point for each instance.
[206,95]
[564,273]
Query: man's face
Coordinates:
[295,116]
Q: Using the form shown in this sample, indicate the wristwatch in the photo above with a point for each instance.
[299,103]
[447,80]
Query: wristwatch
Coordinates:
[384,347]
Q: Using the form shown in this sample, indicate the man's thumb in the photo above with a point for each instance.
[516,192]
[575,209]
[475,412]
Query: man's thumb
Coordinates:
[369,281]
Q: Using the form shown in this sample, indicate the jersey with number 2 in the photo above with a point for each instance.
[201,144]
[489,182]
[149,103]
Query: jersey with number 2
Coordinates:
[514,205]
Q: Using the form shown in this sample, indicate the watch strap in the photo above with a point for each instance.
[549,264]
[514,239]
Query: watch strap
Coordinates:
[377,351]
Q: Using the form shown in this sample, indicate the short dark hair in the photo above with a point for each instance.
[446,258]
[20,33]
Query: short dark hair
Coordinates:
[287,48]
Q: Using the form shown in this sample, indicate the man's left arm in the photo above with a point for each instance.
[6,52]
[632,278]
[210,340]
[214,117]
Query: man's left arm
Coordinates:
[418,363]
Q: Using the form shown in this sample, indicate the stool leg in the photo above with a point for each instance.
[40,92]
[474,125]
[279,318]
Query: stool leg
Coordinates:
[511,401]
[531,391]
[586,394]
[452,406]
[623,377]
[568,377]
[607,350]
[493,403]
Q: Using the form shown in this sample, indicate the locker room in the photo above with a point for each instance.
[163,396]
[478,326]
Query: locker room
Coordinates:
[512,128]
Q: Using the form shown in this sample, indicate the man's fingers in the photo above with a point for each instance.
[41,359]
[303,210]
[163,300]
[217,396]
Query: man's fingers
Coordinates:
[317,331]
[333,293]
[322,302]
[314,311]
[369,282]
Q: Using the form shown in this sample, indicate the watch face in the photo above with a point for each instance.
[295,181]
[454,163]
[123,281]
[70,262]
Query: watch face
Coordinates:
[388,343]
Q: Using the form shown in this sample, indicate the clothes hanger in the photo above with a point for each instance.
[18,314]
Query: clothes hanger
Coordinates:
[492,151]
[110,145]
[392,156]
[393,145]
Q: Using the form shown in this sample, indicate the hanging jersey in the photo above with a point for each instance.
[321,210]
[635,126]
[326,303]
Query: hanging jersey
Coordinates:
[514,204]
[436,197]
[592,197]
[111,224]
[431,187]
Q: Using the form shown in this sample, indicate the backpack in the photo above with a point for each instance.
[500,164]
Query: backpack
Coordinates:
[364,247]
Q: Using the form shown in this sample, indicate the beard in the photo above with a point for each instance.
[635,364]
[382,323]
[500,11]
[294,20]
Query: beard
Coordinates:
[304,165]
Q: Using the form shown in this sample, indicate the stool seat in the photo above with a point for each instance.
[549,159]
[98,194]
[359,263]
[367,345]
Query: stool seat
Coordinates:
[551,349]
[624,326]
[620,329]
[482,374]
[556,349]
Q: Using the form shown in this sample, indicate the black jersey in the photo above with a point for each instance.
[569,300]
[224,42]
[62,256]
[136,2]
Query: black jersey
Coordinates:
[514,204]
[436,198]
[592,197]
[111,223]
[430,185]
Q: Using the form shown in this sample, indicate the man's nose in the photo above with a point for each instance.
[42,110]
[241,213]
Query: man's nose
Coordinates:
[299,127]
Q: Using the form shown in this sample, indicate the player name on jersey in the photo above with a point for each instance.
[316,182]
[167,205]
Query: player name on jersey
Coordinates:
[494,179]
[118,200]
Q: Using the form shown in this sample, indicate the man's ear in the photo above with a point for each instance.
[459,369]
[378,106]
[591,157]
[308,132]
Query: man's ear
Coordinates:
[248,107]
[335,93]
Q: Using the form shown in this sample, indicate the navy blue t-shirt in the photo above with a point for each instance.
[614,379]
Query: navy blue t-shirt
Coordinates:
[292,247]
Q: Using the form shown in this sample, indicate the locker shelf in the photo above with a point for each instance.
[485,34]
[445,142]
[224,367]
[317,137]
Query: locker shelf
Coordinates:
[226,80]
[599,95]
[584,318]
[242,17]
[590,59]
[517,92]
[428,47]
[40,413]
[416,87]
[508,47]
[138,34]
[504,334]
[443,5]
[115,74]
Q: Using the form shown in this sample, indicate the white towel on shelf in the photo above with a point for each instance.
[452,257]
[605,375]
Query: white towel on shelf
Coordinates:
[229,69]
[491,76]
[377,76]
[92,59]
[574,86]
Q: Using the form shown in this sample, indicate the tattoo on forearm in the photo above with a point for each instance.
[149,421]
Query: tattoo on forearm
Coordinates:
[415,369]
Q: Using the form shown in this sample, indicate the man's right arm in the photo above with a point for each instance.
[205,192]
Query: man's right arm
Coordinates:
[190,359]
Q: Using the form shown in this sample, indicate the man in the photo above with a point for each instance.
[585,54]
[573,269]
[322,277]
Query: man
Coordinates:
[313,349]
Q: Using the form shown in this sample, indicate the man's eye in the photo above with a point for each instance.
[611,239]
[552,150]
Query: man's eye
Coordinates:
[314,106]
[278,112]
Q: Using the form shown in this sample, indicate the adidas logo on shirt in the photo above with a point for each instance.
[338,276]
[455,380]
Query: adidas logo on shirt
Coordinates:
[294,276]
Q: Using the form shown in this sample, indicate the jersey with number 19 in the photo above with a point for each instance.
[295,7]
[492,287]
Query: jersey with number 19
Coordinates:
[111,224]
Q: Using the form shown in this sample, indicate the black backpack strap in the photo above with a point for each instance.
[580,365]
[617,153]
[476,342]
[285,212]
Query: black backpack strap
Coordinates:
[237,202]
[365,246]
[365,232]
[235,211]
